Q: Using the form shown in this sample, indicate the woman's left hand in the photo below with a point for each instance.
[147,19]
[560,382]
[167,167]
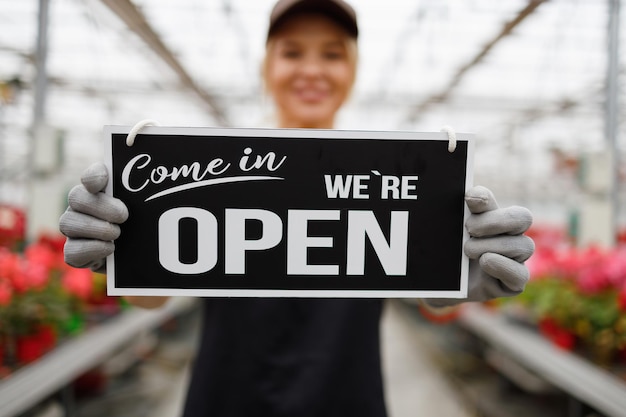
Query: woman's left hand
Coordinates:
[497,249]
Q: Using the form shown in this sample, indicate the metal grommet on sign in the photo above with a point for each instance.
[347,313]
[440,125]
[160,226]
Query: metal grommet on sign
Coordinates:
[130,139]
[451,137]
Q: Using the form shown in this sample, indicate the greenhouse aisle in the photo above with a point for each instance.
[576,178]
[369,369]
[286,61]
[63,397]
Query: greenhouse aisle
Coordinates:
[414,384]
[428,369]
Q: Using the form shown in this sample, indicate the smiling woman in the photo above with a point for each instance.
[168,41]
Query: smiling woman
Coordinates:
[282,356]
[296,356]
[309,69]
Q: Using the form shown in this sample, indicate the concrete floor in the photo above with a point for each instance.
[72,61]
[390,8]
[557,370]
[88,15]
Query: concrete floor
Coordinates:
[414,384]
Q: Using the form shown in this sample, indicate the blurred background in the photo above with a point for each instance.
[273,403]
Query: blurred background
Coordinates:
[540,83]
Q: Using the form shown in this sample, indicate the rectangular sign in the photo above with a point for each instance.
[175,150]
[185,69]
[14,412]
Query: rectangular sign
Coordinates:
[289,213]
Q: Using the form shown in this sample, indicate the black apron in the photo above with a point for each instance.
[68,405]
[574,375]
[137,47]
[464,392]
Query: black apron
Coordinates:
[288,357]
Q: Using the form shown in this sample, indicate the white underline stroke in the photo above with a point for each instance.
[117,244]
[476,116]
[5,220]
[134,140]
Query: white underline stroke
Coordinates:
[205,183]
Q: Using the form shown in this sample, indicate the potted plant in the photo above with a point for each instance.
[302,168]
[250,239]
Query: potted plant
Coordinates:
[41,298]
[577,298]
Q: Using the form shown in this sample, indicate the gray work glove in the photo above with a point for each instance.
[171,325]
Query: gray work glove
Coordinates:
[91,221]
[497,249]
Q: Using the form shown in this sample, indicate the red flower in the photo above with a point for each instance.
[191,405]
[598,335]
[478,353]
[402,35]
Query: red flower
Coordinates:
[542,263]
[36,275]
[564,340]
[621,299]
[593,280]
[6,293]
[19,280]
[616,267]
[54,242]
[9,264]
[28,276]
[41,255]
[556,334]
[78,282]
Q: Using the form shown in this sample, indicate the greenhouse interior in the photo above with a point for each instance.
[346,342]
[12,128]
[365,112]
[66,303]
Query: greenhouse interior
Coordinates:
[530,91]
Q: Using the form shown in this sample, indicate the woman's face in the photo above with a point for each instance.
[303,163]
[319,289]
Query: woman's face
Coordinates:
[308,71]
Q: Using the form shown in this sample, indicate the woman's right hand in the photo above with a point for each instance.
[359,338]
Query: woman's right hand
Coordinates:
[91,221]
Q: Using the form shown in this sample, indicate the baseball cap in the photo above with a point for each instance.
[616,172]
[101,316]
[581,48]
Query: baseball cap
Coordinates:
[338,10]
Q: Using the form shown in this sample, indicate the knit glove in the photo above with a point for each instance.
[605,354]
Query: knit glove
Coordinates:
[91,221]
[497,249]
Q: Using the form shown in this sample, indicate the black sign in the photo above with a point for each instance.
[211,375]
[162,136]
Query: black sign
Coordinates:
[264,212]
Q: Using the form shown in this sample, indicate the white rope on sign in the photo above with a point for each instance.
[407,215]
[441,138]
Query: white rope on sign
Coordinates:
[451,137]
[130,139]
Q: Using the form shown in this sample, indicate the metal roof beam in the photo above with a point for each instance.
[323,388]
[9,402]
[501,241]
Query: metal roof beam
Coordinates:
[460,73]
[136,22]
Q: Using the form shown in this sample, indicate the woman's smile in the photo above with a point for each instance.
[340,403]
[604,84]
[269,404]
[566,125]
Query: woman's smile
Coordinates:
[311,94]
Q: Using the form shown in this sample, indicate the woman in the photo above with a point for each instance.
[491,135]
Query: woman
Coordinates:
[310,64]
[301,357]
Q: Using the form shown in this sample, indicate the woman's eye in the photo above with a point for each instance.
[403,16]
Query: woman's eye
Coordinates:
[333,55]
[291,53]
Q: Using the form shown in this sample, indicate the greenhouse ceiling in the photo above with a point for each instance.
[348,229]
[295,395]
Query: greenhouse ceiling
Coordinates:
[527,76]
